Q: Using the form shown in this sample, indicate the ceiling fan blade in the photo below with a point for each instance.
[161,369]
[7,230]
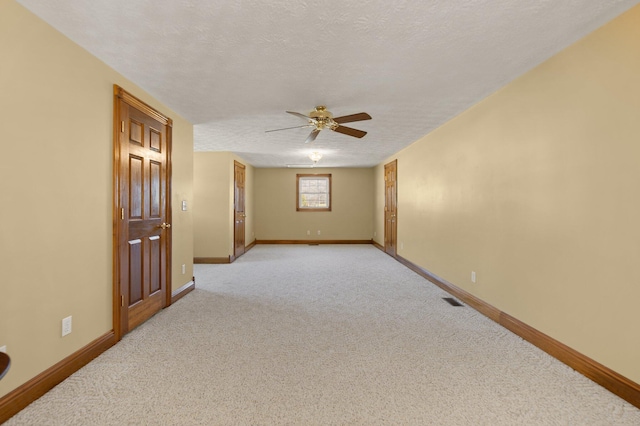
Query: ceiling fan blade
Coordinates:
[288,128]
[349,131]
[299,115]
[353,117]
[312,136]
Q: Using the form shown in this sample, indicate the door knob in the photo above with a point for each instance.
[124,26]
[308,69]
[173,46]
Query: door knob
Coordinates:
[164,225]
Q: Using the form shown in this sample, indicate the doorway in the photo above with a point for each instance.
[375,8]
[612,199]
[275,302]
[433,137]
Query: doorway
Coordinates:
[141,212]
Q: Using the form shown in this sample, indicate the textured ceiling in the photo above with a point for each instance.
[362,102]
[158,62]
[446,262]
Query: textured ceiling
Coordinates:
[234,67]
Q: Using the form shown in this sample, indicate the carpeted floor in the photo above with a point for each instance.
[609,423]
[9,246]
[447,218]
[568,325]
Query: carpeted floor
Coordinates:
[323,335]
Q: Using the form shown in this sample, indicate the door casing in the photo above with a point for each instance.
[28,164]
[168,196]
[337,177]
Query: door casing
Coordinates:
[239,209]
[391,207]
[120,326]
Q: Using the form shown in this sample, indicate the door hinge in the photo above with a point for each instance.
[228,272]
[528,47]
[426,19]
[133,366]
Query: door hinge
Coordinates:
[122,126]
[122,213]
[122,300]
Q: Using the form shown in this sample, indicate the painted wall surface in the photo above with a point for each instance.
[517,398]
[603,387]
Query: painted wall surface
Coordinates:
[211,182]
[213,203]
[378,204]
[249,223]
[536,189]
[182,190]
[350,218]
[56,183]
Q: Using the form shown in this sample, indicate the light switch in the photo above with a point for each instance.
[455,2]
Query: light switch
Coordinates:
[184,205]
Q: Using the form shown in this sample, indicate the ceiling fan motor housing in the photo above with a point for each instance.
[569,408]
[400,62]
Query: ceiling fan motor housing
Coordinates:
[321,118]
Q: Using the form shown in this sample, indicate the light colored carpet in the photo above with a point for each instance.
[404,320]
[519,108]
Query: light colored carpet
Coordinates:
[323,335]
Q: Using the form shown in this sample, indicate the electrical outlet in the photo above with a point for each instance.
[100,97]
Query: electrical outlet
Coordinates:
[3,349]
[308,232]
[66,326]
[401,245]
[318,232]
[473,276]
[184,269]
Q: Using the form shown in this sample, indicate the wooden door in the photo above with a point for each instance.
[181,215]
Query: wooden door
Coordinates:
[142,212]
[390,207]
[239,209]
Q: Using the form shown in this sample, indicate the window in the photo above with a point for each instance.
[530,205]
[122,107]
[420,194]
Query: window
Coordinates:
[313,193]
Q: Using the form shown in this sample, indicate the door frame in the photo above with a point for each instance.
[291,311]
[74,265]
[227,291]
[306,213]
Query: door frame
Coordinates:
[237,164]
[119,94]
[394,242]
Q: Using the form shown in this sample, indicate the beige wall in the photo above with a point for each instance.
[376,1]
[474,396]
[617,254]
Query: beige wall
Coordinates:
[250,220]
[213,203]
[181,190]
[56,105]
[536,189]
[211,186]
[378,203]
[350,217]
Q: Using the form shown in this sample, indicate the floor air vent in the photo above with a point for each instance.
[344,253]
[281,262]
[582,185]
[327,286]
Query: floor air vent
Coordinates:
[452,301]
[314,244]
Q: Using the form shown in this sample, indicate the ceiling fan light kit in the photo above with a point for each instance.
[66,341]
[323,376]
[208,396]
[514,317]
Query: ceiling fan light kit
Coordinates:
[315,156]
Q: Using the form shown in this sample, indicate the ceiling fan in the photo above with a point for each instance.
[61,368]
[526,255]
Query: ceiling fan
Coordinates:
[320,118]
